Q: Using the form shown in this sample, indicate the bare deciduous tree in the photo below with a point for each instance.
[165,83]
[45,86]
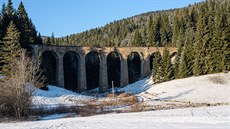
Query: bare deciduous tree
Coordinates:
[16,89]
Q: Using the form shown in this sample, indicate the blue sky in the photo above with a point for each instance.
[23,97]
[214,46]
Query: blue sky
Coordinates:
[65,17]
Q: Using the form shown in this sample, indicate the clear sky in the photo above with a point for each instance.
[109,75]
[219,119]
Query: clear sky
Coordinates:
[65,17]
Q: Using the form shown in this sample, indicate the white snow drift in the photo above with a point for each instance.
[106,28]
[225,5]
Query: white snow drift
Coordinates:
[214,88]
[56,96]
[190,118]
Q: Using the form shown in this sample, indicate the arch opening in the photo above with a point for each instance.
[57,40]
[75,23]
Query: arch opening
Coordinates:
[134,67]
[92,62]
[71,70]
[113,69]
[49,67]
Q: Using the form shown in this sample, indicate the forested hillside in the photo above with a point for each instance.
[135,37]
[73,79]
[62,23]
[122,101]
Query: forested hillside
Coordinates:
[154,28]
[201,32]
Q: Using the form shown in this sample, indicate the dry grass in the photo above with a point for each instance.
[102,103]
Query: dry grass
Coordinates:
[138,107]
[217,80]
[106,105]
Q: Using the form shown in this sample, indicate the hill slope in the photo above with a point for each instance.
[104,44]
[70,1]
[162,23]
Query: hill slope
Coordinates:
[149,29]
[213,88]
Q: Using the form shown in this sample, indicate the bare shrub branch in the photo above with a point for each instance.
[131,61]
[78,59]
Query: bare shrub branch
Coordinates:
[17,88]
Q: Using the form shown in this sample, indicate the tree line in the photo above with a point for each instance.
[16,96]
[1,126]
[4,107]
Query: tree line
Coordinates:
[160,28]
[16,31]
[201,34]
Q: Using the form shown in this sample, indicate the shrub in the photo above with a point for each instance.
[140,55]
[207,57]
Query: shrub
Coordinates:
[138,107]
[16,89]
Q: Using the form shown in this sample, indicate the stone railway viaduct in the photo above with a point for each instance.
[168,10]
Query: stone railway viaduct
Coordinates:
[74,59]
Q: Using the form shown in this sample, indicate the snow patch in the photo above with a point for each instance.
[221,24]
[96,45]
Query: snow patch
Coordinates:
[139,86]
[194,89]
[56,96]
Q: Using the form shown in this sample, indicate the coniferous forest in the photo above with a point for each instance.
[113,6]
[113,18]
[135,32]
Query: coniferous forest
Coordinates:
[201,33]
[16,31]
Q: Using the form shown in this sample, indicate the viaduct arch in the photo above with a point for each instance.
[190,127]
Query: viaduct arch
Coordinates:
[71,67]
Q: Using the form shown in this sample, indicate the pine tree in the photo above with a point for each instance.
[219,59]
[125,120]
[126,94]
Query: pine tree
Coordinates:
[166,66]
[199,48]
[4,21]
[26,27]
[38,40]
[216,52]
[10,8]
[180,43]
[10,49]
[165,31]
[144,37]
[52,39]
[151,31]
[156,71]
[227,43]
[137,39]
[157,30]
[175,29]
[182,66]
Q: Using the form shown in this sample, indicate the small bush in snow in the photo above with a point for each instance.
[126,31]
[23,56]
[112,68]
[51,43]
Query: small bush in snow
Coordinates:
[138,107]
[16,89]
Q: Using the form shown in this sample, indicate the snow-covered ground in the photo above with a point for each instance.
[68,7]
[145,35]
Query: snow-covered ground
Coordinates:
[210,89]
[139,86]
[56,96]
[213,88]
[190,118]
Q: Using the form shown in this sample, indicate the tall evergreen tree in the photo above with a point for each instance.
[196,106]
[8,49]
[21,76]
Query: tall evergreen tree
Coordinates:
[26,27]
[166,66]
[157,65]
[180,43]
[38,40]
[217,47]
[150,31]
[157,30]
[4,21]
[182,66]
[199,48]
[137,39]
[10,49]
[10,9]
[165,31]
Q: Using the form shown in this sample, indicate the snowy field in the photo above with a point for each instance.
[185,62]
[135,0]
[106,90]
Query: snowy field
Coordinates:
[214,88]
[190,118]
[208,89]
